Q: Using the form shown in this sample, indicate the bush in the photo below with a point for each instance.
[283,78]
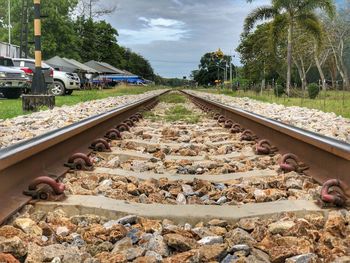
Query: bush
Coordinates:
[313,90]
[279,90]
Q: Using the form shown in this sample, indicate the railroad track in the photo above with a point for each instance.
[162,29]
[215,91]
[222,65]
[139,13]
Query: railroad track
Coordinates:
[218,186]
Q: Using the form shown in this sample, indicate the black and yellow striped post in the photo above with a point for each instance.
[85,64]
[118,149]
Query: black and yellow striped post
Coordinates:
[38,84]
[39,96]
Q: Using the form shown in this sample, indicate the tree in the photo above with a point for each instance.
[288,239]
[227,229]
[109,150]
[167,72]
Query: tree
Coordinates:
[338,36]
[58,36]
[303,53]
[211,68]
[288,14]
[93,9]
[259,57]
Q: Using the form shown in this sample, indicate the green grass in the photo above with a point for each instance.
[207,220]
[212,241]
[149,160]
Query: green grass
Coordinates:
[13,108]
[173,98]
[330,101]
[180,113]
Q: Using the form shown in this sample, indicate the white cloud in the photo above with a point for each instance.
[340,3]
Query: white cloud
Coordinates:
[174,34]
[178,2]
[155,29]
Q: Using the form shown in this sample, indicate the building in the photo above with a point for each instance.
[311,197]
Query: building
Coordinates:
[7,50]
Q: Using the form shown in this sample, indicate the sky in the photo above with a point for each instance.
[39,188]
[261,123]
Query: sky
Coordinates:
[174,34]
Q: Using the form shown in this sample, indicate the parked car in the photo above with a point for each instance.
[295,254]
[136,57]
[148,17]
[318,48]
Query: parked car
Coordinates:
[28,66]
[59,82]
[65,83]
[12,82]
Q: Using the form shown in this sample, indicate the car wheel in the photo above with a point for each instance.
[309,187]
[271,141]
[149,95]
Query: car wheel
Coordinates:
[58,89]
[11,93]
[69,92]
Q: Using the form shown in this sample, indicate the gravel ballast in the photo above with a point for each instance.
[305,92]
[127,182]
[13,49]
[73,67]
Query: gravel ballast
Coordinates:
[25,127]
[328,124]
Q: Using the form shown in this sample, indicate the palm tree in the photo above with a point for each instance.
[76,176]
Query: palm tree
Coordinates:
[288,14]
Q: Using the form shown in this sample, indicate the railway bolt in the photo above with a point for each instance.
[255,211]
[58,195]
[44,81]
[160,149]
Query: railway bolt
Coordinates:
[113,134]
[332,192]
[80,161]
[264,147]
[248,135]
[290,162]
[100,145]
[52,189]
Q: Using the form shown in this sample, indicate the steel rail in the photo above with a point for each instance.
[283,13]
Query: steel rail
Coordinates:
[326,158]
[45,155]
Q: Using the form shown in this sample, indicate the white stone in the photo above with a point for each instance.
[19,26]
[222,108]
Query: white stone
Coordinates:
[211,240]
[62,231]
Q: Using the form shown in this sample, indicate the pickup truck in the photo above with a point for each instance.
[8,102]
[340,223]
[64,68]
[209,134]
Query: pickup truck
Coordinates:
[58,82]
[12,82]
[64,83]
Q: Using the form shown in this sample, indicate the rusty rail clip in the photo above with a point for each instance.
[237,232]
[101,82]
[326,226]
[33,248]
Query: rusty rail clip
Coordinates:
[332,192]
[80,161]
[123,127]
[236,128]
[264,147]
[100,145]
[51,190]
[291,163]
[113,134]
[248,135]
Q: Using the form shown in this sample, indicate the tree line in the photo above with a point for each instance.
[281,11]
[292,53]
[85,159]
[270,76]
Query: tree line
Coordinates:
[302,41]
[72,29]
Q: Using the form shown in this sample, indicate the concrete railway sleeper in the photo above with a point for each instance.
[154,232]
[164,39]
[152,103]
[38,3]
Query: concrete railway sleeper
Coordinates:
[182,184]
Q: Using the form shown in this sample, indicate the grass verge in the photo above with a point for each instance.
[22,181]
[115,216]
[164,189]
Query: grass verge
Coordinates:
[330,101]
[13,108]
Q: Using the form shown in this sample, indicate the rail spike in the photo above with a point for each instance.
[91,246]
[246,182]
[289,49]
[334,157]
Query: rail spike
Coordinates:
[100,145]
[264,147]
[51,190]
[291,163]
[80,161]
[332,192]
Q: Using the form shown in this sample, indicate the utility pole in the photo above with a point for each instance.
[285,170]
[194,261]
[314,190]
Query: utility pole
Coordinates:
[38,84]
[24,30]
[39,96]
[9,27]
[231,80]
[263,82]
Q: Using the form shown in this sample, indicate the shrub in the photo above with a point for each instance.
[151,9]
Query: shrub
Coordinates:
[279,90]
[313,90]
